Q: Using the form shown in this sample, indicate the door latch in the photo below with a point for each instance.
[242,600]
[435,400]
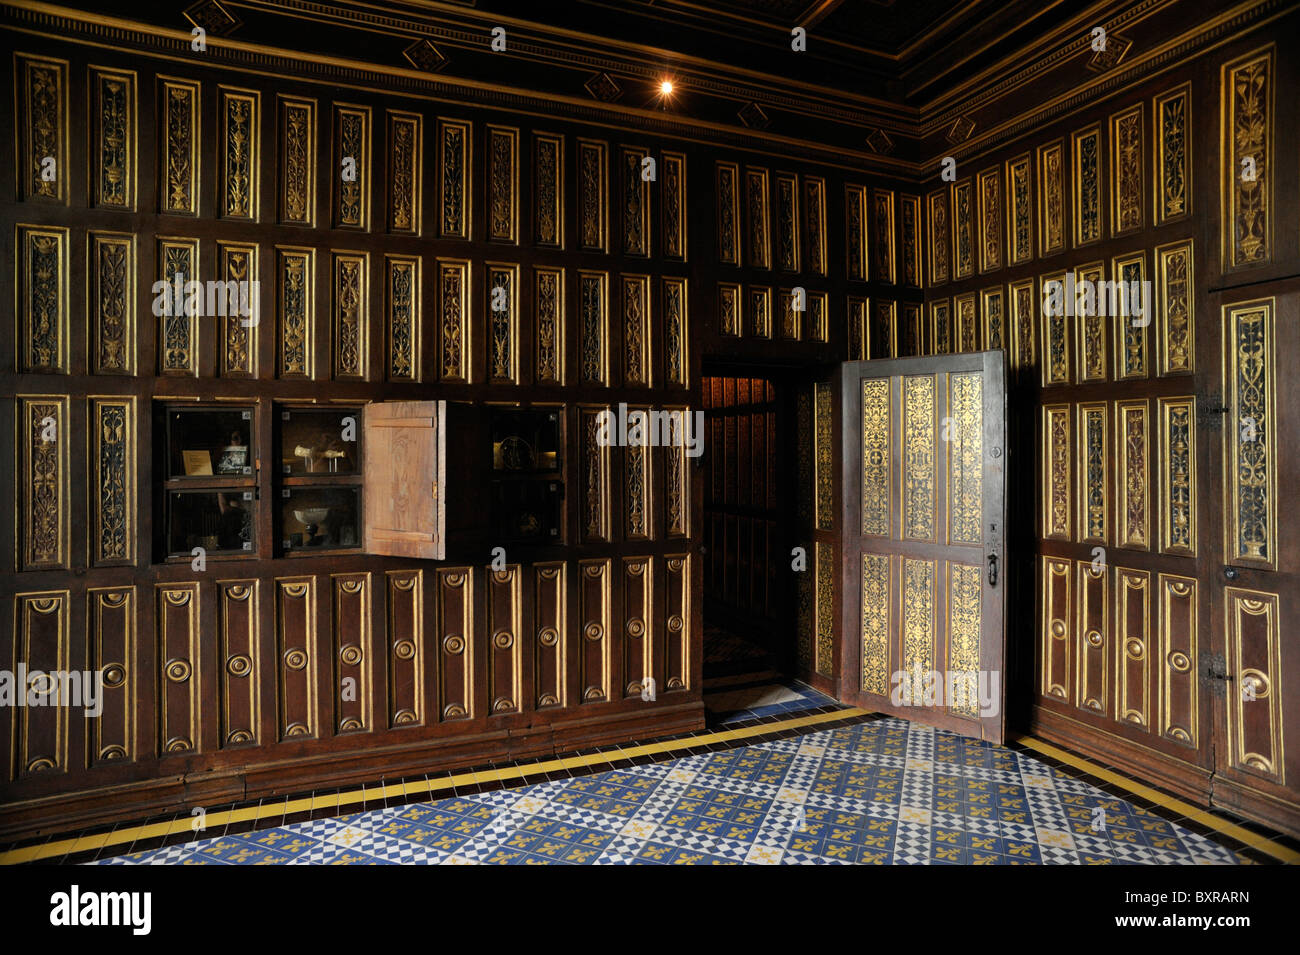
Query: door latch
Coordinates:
[993,570]
[1214,673]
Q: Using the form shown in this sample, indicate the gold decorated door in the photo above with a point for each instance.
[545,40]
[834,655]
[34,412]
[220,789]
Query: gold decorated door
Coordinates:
[922,560]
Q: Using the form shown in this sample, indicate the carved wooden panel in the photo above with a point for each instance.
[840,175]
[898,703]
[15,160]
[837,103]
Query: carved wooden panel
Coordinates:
[825,567]
[677,650]
[502,294]
[1133,446]
[819,311]
[941,320]
[351,318]
[910,243]
[453,332]
[596,615]
[637,371]
[877,605]
[639,635]
[728,186]
[593,227]
[965,472]
[111,633]
[963,230]
[548,187]
[757,218]
[503,186]
[1172,118]
[42,642]
[297,653]
[505,669]
[43,309]
[638,513]
[548,330]
[1092,319]
[1131,351]
[1057,465]
[353,652]
[634,200]
[113,452]
[1247,93]
[550,615]
[814,229]
[676,333]
[1056,330]
[1051,198]
[966,330]
[178,655]
[351,170]
[674,206]
[1250,434]
[239,659]
[677,480]
[938,246]
[730,314]
[594,456]
[1093,462]
[1178,464]
[855,231]
[113,135]
[787,222]
[805,613]
[44,432]
[993,311]
[593,327]
[883,217]
[857,328]
[760,312]
[402,316]
[1055,629]
[1086,188]
[455,159]
[824,456]
[405,641]
[1254,698]
[919,459]
[883,339]
[178,345]
[295,308]
[41,88]
[791,318]
[1023,324]
[1127,162]
[297,161]
[915,331]
[1175,308]
[404,171]
[1177,669]
[239,117]
[237,262]
[919,605]
[178,146]
[111,287]
[989,192]
[1020,211]
[455,635]
[1132,646]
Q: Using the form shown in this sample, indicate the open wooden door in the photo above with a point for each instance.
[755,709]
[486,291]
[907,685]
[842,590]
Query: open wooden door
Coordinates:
[923,509]
[404,478]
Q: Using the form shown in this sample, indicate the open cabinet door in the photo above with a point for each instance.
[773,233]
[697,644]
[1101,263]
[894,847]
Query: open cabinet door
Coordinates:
[923,508]
[404,478]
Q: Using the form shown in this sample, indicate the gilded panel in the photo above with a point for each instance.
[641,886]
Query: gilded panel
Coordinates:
[814,209]
[1254,658]
[967,330]
[1131,337]
[42,641]
[237,263]
[875,624]
[1094,472]
[178,344]
[595,477]
[883,209]
[730,317]
[728,213]
[295,308]
[826,566]
[353,652]
[550,662]
[503,322]
[351,319]
[297,192]
[548,193]
[113,134]
[636,330]
[405,162]
[635,193]
[296,649]
[1057,470]
[965,458]
[911,240]
[760,245]
[806,613]
[1250,458]
[111,633]
[1247,93]
[638,625]
[855,231]
[180,672]
[41,88]
[1132,440]
[677,668]
[791,318]
[1178,675]
[1092,316]
[915,332]
[1020,211]
[989,184]
[178,162]
[595,670]
[1024,353]
[503,186]
[455,160]
[43,309]
[593,228]
[455,629]
[1177,422]
[1057,613]
[239,119]
[1172,115]
[1086,186]
[1126,165]
[1175,308]
[787,222]
[965,622]
[883,339]
[505,668]
[941,319]
[919,458]
[1056,330]
[760,312]
[1132,632]
[1093,651]
[819,316]
[918,619]
[113,453]
[824,456]
[938,248]
[877,430]
[593,327]
[454,343]
[636,481]
[43,490]
[237,623]
[677,480]
[402,305]
[676,333]
[857,331]
[548,292]
[674,206]
[963,230]
[993,309]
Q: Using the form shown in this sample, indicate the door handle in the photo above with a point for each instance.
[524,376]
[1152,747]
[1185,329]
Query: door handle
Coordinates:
[993,570]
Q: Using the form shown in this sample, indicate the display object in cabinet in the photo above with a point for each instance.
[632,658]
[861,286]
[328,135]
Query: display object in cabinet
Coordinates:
[319,506]
[320,518]
[209,442]
[219,521]
[318,441]
[526,441]
[527,494]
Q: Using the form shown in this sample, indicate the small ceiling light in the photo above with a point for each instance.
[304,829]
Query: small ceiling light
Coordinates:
[666,88]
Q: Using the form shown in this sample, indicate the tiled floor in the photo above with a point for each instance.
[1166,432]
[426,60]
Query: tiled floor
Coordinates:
[738,702]
[879,791]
